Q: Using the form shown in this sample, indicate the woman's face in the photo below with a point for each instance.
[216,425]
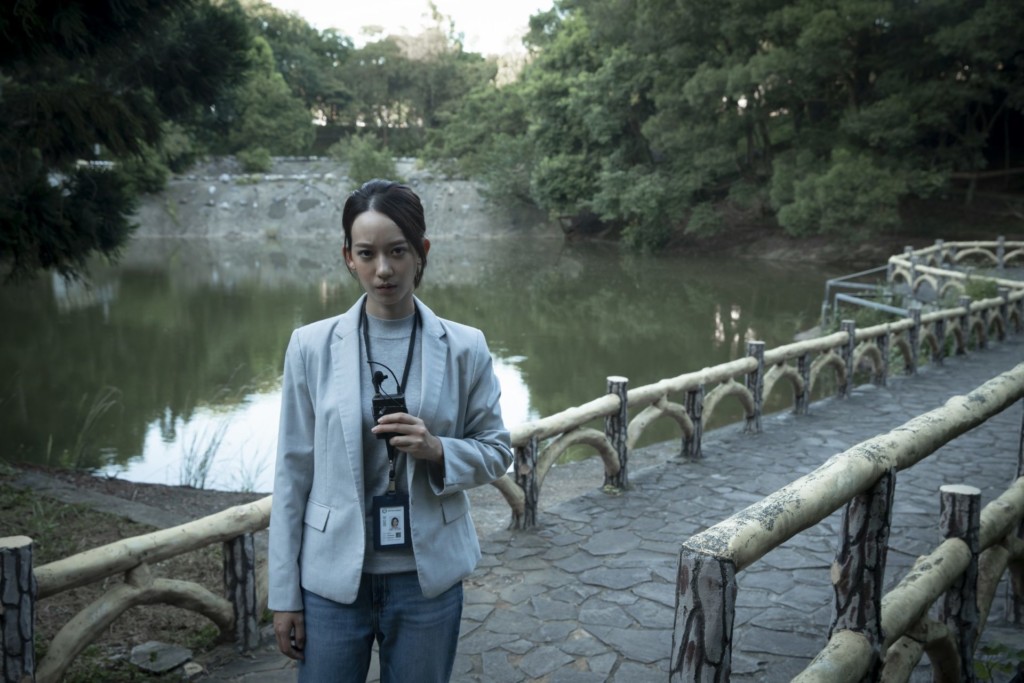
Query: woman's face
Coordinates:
[385,264]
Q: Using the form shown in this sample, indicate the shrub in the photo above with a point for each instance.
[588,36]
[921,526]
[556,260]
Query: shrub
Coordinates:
[366,159]
[255,160]
[852,196]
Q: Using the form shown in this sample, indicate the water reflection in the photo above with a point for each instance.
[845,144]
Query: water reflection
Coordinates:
[184,341]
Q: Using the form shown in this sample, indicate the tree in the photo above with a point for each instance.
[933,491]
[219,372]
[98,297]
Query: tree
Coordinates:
[405,85]
[310,61]
[657,116]
[79,80]
[265,112]
[379,77]
[486,138]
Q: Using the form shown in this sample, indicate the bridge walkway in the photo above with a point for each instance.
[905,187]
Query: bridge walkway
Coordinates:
[590,594]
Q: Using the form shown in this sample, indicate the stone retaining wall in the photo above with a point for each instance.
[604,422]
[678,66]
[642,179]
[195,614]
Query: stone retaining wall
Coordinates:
[302,198]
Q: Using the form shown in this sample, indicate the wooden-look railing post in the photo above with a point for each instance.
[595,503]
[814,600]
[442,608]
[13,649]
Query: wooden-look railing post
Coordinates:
[965,324]
[914,341]
[695,409]
[939,328]
[850,328]
[858,574]
[240,589]
[802,400]
[705,612]
[913,273]
[1017,568]
[1001,252]
[616,427]
[940,249]
[755,385]
[1004,311]
[17,610]
[525,469]
[982,331]
[881,378]
[960,517]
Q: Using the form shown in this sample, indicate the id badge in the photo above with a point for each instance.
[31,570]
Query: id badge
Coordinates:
[391,522]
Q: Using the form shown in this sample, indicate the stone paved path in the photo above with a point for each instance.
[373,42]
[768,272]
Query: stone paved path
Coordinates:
[590,594]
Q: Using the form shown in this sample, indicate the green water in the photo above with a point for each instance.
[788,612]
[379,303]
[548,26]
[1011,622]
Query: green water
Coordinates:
[176,353]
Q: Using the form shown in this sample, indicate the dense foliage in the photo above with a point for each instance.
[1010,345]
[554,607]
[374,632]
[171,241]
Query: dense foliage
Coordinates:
[664,116]
[78,78]
[647,117]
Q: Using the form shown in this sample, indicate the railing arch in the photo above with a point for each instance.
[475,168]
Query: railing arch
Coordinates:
[828,360]
[930,340]
[725,390]
[900,276]
[662,407]
[979,332]
[981,252]
[995,324]
[869,351]
[927,279]
[781,372]
[955,286]
[580,436]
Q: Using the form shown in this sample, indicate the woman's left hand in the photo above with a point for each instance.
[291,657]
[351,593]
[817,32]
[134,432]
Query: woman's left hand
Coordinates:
[413,437]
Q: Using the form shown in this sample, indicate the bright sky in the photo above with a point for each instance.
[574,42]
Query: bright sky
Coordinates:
[490,26]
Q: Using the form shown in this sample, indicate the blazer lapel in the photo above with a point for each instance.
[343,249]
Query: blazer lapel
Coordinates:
[345,359]
[433,360]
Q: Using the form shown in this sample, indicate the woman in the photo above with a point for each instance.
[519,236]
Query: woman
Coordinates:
[370,532]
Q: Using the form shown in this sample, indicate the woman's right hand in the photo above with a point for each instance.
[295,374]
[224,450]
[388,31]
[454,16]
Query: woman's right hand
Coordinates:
[290,631]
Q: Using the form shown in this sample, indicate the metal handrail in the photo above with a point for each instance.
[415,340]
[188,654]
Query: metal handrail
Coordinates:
[867,303]
[843,282]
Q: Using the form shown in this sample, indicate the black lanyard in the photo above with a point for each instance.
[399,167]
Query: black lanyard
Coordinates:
[412,344]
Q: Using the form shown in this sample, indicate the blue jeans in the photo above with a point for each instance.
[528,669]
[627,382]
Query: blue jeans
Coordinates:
[416,636]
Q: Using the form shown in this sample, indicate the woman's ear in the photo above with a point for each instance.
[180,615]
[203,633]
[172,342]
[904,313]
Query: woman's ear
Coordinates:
[347,255]
[426,246]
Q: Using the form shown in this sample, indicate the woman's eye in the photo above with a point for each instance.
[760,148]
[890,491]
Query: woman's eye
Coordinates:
[399,251]
[365,254]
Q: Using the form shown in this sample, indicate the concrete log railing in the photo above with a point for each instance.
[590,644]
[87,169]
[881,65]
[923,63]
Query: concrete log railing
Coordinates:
[871,635]
[936,266]
[21,585]
[692,399]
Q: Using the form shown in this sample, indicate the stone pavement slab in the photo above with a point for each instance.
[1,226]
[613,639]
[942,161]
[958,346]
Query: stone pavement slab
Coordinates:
[589,595]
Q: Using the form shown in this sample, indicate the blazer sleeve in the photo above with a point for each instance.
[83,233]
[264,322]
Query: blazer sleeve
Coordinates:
[484,451]
[293,477]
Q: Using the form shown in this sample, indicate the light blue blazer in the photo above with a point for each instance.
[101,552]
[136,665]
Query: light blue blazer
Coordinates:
[317,535]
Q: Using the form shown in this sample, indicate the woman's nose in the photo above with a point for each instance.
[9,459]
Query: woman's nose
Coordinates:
[383,266]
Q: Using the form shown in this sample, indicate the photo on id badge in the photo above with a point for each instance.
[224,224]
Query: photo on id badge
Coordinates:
[391,526]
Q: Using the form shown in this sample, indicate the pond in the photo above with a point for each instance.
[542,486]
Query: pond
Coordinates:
[166,368]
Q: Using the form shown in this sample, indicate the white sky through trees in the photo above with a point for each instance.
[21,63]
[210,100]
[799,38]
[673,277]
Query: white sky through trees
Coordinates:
[489,26]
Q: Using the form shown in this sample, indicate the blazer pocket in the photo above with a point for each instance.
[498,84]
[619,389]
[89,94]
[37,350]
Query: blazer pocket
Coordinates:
[316,515]
[454,506]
